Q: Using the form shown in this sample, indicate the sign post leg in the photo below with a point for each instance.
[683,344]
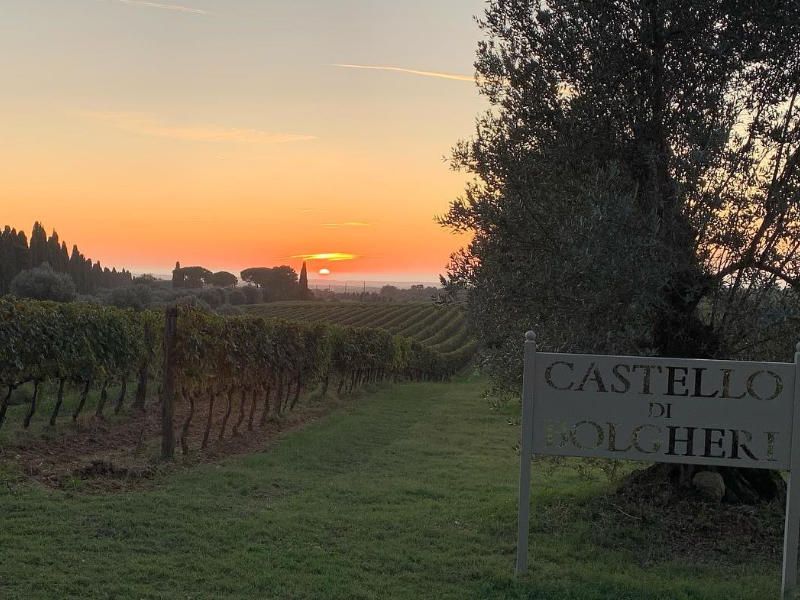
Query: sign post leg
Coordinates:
[525,453]
[790,539]
[792,527]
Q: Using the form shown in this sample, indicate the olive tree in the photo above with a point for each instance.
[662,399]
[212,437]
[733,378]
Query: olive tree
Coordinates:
[636,181]
[42,283]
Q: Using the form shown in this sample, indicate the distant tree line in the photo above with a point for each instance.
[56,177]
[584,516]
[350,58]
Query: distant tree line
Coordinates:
[271,283]
[18,256]
[43,269]
[389,294]
[198,277]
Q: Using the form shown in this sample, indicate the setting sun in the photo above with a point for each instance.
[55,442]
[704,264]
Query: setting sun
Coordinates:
[270,154]
[324,271]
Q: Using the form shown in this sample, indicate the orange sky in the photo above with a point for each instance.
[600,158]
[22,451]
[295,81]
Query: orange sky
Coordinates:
[239,133]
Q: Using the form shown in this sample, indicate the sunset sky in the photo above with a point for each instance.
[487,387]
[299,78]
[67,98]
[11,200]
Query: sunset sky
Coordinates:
[238,133]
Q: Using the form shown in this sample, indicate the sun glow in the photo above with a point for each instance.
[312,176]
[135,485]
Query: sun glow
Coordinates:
[324,271]
[331,256]
[140,152]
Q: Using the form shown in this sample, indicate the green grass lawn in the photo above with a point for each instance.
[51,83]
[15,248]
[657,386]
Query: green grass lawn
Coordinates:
[409,493]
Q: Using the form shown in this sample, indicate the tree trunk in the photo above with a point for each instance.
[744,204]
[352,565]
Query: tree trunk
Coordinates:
[667,482]
[277,407]
[680,332]
[187,423]
[298,390]
[212,396]
[4,403]
[121,398]
[240,420]
[325,384]
[227,414]
[141,388]
[265,414]
[253,402]
[101,404]
[59,402]
[32,408]
[82,402]
[285,400]
[341,385]
[353,381]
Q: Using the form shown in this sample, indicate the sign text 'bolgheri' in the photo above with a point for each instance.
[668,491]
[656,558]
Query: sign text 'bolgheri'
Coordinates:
[664,410]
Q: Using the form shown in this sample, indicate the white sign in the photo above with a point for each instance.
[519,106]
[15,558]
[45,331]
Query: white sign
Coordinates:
[704,412]
[712,412]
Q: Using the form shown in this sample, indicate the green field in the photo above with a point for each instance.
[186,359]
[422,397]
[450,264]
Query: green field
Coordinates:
[440,327]
[408,492]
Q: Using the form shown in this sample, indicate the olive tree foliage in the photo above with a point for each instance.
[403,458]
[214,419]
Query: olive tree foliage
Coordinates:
[636,185]
[223,279]
[42,283]
[138,296]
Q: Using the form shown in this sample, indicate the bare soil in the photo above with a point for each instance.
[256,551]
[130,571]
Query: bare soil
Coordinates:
[123,453]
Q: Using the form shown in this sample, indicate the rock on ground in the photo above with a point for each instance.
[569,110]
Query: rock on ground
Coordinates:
[710,485]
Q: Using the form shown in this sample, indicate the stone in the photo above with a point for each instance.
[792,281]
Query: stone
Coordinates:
[710,485]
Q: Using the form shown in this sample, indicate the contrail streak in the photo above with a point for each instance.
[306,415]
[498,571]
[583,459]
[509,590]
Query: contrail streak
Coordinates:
[173,7]
[438,75]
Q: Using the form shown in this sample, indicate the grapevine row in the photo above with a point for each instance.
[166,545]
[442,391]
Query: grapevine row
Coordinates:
[248,368]
[75,344]
[442,329]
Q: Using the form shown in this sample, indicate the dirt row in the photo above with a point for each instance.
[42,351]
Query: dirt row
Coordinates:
[122,453]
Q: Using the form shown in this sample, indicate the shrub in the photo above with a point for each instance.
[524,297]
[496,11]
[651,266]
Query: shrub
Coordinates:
[42,283]
[214,297]
[228,310]
[237,297]
[252,294]
[138,297]
[193,302]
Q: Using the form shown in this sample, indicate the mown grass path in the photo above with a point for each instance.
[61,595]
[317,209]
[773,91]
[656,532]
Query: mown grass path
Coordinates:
[409,493]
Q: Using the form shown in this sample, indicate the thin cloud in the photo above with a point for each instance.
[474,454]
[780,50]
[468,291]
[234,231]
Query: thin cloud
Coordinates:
[452,76]
[347,224]
[329,256]
[172,7]
[145,124]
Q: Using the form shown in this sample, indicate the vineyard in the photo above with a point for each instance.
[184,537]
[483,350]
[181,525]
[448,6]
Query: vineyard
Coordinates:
[194,378]
[443,329]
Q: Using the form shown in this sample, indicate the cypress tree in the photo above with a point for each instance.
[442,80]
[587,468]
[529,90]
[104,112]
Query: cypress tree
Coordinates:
[17,255]
[76,271]
[54,252]
[63,258]
[304,291]
[8,258]
[38,245]
[178,276]
[22,252]
[96,276]
[86,270]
